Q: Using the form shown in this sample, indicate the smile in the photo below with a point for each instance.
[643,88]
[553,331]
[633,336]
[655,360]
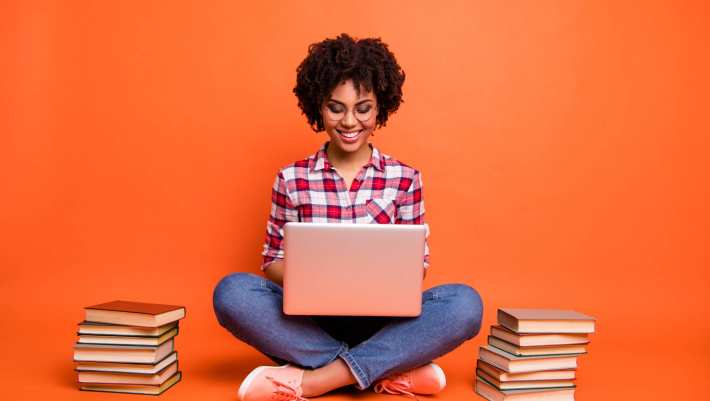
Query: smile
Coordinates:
[349,136]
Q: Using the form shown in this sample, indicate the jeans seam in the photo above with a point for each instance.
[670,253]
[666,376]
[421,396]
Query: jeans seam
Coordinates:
[343,348]
[360,376]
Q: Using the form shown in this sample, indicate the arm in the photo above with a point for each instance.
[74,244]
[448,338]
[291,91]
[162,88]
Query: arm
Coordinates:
[282,211]
[410,210]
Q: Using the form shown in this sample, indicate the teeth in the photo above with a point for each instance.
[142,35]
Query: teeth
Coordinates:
[349,134]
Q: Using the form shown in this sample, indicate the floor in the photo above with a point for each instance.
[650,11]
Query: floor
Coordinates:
[38,363]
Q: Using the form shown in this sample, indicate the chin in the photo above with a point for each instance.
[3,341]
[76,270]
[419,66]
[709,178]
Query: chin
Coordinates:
[351,147]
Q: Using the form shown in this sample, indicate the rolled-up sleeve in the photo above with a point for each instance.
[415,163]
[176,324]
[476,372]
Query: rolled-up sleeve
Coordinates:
[410,210]
[282,211]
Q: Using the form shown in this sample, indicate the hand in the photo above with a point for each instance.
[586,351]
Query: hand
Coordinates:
[275,271]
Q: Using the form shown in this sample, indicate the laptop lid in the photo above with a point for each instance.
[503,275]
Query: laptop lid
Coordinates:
[340,269]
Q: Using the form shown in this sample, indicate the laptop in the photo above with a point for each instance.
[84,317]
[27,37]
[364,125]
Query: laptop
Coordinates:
[338,269]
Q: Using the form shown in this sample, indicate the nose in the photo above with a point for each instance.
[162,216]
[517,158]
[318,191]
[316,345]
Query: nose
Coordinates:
[348,120]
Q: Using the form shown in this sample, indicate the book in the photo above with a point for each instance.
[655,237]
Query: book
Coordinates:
[129,378]
[134,313]
[518,364]
[489,392]
[122,353]
[523,384]
[527,340]
[121,330]
[134,388]
[545,321]
[126,367]
[570,349]
[503,376]
[127,340]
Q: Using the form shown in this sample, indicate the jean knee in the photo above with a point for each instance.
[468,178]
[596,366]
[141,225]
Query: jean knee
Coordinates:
[468,308]
[232,292]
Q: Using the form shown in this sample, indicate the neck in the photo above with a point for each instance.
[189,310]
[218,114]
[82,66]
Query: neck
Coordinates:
[345,160]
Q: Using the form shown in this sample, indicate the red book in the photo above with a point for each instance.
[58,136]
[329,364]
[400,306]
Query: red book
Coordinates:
[134,313]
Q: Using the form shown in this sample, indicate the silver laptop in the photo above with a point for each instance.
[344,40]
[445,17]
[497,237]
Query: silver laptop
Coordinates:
[342,269]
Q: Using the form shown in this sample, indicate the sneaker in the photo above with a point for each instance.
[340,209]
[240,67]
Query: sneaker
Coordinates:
[273,383]
[427,379]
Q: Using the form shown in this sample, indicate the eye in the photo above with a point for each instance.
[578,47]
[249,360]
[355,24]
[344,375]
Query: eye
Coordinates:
[364,109]
[335,109]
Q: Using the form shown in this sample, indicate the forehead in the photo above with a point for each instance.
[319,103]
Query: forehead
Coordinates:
[345,93]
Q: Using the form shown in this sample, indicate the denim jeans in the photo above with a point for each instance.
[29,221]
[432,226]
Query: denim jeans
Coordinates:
[250,307]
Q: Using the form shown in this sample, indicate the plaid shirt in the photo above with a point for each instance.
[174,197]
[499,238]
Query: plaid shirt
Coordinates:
[384,191]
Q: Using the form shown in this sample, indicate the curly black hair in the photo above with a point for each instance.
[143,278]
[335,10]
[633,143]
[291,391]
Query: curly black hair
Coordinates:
[367,62]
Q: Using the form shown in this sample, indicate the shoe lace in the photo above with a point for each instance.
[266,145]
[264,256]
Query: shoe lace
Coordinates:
[288,392]
[397,385]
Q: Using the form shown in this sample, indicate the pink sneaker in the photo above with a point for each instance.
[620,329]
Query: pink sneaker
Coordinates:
[272,383]
[427,379]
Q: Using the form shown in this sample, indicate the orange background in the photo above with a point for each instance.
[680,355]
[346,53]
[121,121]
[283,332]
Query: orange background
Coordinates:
[563,147]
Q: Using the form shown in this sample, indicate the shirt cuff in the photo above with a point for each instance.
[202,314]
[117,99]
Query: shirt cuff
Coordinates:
[268,260]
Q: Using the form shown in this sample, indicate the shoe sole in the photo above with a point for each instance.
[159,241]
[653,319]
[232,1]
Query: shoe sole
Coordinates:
[439,374]
[250,377]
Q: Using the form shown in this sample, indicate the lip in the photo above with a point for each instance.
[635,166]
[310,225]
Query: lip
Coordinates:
[345,139]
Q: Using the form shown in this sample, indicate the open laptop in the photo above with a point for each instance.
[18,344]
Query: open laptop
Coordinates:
[339,269]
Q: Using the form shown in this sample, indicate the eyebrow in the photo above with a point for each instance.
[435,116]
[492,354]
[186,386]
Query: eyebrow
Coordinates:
[358,103]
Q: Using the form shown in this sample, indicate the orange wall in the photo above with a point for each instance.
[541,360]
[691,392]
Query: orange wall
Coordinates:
[563,146]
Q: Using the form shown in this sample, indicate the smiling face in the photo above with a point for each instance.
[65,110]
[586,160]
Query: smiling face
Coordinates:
[349,119]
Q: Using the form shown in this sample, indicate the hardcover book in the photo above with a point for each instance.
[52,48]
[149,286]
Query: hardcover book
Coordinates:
[134,388]
[489,392]
[127,340]
[122,330]
[122,353]
[129,378]
[134,313]
[519,364]
[503,376]
[526,340]
[545,321]
[570,349]
[523,384]
[126,367]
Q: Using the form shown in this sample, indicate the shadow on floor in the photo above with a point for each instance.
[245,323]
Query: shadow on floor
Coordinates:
[231,370]
[63,373]
[228,368]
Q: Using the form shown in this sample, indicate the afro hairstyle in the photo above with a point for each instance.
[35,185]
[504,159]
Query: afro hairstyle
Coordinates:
[367,62]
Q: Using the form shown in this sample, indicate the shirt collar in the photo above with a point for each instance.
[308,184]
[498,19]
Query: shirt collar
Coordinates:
[319,161]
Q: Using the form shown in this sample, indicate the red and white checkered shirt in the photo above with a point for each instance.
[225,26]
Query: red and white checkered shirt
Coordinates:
[310,190]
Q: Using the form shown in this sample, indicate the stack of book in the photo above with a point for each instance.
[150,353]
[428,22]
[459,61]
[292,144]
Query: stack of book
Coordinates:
[532,354]
[128,347]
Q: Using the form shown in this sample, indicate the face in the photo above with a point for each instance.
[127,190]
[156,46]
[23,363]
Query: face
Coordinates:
[349,119]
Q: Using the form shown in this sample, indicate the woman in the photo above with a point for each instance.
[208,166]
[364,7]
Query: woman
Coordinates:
[347,88]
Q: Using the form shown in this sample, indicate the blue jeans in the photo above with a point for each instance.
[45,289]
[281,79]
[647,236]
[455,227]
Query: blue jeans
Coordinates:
[250,307]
